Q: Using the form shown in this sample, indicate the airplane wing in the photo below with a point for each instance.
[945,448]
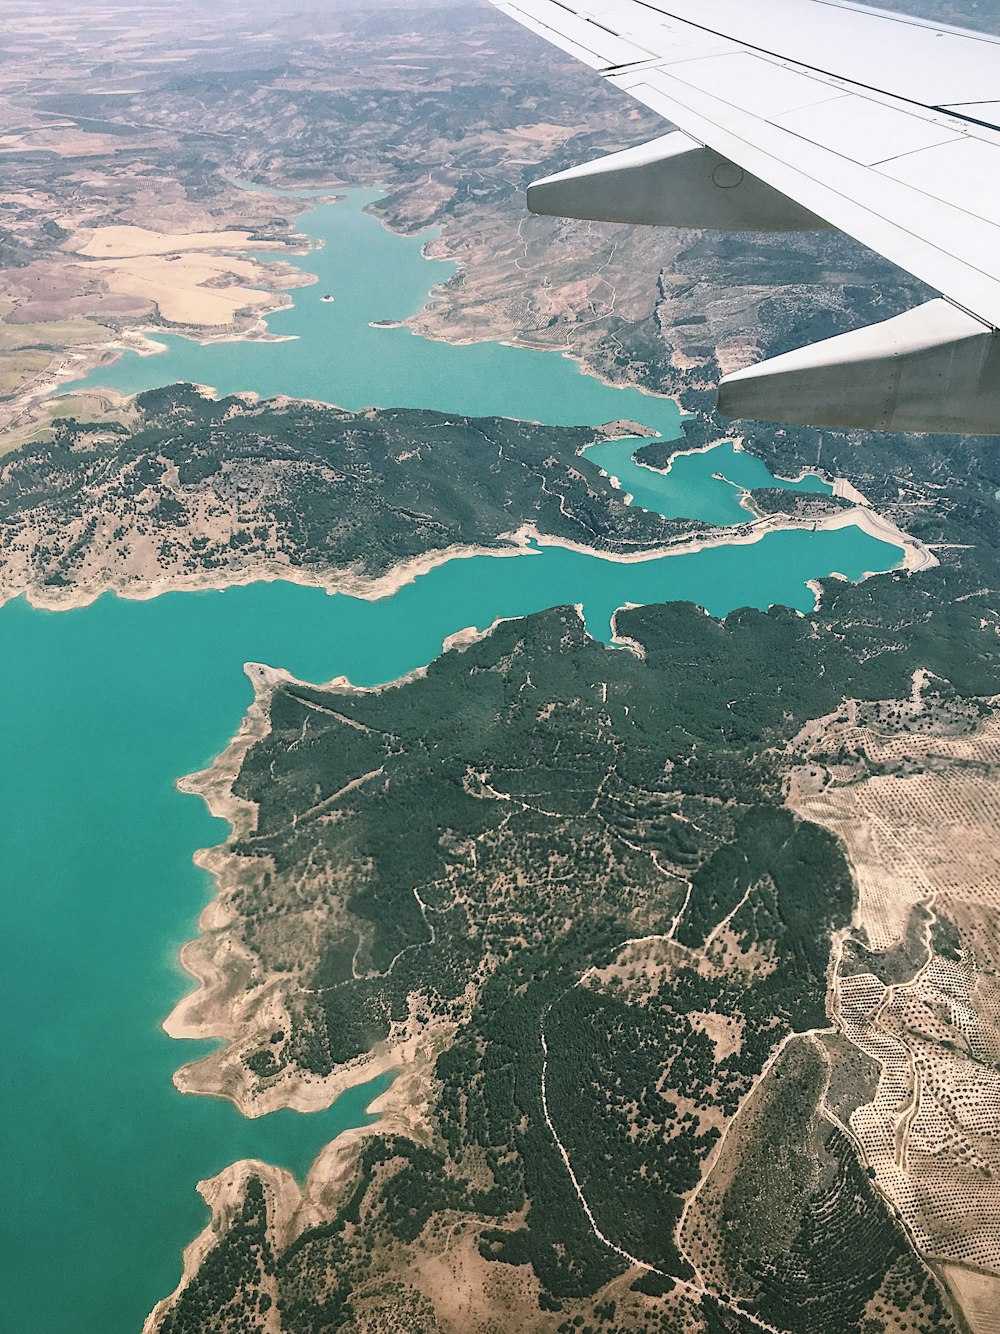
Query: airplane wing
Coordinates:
[795,114]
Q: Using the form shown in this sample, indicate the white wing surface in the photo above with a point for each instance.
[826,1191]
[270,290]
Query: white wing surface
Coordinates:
[797,113]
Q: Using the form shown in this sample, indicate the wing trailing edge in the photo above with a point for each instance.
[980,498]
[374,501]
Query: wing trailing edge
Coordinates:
[671,181]
[933,368]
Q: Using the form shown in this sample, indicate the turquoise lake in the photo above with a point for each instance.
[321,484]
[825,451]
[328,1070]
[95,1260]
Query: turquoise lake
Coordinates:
[331,351]
[103,708]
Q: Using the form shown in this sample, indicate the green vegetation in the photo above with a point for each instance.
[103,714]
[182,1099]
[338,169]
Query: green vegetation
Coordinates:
[230,1291]
[796,1222]
[514,818]
[482,842]
[798,505]
[228,486]
[536,801]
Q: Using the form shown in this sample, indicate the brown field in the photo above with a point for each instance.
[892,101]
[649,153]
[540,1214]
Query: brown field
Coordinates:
[191,277]
[177,286]
[923,1000]
[977,1294]
[125,242]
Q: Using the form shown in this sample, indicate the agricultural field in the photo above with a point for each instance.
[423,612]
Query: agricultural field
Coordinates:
[914,794]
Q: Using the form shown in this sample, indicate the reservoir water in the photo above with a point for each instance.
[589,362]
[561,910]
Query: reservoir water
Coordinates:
[332,350]
[101,709]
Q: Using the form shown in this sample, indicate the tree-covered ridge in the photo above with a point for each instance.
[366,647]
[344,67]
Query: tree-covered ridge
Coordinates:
[225,488]
[234,1288]
[450,821]
[545,839]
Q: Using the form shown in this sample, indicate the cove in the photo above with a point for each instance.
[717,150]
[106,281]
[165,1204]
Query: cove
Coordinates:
[101,710]
[332,351]
[694,491]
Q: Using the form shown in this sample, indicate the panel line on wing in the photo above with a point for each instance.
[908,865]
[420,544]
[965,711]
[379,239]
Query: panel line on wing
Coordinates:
[826,188]
[805,66]
[911,20]
[969,120]
[760,50]
[610,71]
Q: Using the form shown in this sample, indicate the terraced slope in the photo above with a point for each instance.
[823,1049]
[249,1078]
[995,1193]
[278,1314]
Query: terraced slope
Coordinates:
[915,796]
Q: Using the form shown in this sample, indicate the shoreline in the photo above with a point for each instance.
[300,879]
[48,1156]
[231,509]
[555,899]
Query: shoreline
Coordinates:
[739,445]
[215,1009]
[221,1006]
[33,407]
[292,1207]
[25,411]
[258,331]
[916,556]
[350,582]
[520,542]
[342,582]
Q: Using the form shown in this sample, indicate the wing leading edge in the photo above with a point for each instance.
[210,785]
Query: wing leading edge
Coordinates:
[811,114]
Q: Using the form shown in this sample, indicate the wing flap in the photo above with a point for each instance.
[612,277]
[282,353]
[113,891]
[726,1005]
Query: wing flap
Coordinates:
[753,83]
[965,172]
[863,130]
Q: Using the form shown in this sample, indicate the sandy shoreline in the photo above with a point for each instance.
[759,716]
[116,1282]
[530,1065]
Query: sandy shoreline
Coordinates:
[244,312]
[916,556]
[371,588]
[222,1005]
[258,330]
[402,1109]
[739,445]
[35,405]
